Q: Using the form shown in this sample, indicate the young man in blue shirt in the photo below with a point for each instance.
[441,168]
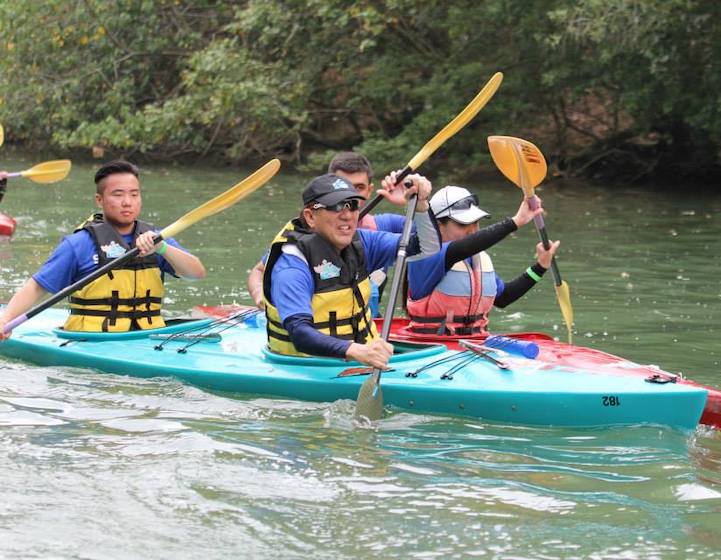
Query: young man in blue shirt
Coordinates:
[125,299]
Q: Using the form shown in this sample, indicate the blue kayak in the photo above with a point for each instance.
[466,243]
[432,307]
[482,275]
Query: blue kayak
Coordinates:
[230,355]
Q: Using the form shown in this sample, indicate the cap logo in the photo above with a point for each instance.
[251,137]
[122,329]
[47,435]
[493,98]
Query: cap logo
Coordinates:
[340,184]
[327,270]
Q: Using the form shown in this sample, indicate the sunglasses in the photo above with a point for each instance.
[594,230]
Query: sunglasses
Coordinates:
[462,204]
[353,205]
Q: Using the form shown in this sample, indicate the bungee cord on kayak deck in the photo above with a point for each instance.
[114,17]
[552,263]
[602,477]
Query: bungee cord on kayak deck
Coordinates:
[429,365]
[463,358]
[205,331]
[448,375]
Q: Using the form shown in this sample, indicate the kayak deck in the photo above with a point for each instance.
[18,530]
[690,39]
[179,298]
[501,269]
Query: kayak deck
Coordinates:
[549,350]
[426,378]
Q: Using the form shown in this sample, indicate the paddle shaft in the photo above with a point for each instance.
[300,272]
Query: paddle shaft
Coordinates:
[377,198]
[397,273]
[75,287]
[24,173]
[541,228]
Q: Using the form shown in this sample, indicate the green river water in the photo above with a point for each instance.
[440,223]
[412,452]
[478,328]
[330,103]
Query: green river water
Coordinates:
[103,466]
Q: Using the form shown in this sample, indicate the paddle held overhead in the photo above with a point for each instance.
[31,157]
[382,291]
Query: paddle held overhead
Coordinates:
[524,165]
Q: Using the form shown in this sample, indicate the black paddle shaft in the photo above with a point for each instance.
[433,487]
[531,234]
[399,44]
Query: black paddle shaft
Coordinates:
[543,236]
[377,198]
[85,280]
[540,224]
[397,275]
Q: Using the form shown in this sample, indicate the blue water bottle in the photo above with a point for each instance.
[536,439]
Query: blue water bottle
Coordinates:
[525,348]
[257,320]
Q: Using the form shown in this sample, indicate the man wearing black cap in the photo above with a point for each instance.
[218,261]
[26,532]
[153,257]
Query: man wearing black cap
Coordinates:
[357,170]
[129,298]
[316,284]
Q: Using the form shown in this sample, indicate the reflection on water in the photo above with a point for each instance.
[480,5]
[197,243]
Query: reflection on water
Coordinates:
[103,466]
[155,468]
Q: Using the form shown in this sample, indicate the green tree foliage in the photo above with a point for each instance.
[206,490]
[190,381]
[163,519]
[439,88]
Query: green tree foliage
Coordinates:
[620,88]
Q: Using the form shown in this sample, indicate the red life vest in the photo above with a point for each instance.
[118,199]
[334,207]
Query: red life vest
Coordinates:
[444,313]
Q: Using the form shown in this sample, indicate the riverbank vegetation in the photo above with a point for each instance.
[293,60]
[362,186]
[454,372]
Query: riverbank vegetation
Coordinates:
[619,90]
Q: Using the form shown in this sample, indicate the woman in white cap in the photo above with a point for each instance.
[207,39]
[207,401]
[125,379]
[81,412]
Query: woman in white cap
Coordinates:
[453,291]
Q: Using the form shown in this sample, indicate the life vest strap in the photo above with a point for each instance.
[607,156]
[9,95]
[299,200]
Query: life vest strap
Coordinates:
[356,335]
[335,323]
[462,331]
[467,319]
[286,338]
[331,323]
[131,302]
[278,336]
[136,314]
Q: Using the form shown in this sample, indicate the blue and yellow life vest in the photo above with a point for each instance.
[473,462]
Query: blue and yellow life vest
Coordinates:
[341,289]
[126,298]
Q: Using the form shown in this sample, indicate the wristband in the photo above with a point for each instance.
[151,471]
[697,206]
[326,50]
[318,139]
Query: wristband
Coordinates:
[535,277]
[161,250]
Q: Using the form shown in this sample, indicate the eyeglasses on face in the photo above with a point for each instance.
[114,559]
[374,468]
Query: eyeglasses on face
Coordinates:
[462,204]
[353,205]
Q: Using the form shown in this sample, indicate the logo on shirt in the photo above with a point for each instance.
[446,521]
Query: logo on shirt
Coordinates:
[327,270]
[112,250]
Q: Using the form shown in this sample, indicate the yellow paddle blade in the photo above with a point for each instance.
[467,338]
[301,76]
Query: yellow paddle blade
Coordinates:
[504,151]
[225,200]
[48,171]
[2,135]
[370,400]
[564,301]
[461,120]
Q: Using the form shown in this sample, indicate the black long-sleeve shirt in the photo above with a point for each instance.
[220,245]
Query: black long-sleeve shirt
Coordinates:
[482,240]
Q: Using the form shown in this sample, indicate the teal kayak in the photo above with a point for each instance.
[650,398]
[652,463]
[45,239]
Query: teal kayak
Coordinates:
[230,355]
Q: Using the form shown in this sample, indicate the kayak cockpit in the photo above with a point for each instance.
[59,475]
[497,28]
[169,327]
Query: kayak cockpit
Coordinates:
[172,326]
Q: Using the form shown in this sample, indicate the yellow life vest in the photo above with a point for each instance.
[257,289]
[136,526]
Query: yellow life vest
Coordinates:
[341,289]
[127,298]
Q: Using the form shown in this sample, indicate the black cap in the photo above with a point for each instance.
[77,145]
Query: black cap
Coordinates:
[329,189]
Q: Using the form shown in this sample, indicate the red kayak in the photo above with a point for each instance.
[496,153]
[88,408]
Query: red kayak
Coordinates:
[7,225]
[548,350]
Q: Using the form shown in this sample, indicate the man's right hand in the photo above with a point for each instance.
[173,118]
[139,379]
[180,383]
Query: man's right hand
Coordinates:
[375,354]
